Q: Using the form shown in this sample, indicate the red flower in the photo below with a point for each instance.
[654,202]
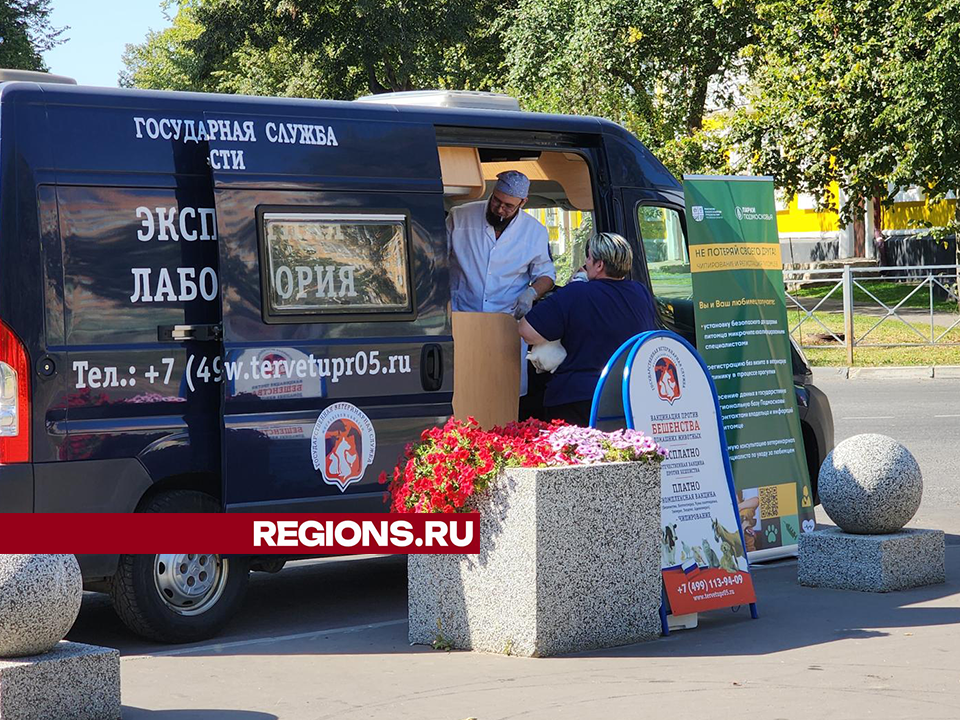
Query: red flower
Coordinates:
[449,464]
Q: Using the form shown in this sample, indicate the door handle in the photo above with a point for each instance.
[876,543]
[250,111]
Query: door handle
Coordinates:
[180,333]
[431,367]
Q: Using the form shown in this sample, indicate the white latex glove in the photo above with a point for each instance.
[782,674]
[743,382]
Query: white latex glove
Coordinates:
[524,302]
[580,276]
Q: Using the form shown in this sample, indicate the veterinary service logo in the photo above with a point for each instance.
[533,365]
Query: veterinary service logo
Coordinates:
[668,380]
[698,213]
[665,374]
[343,444]
[739,213]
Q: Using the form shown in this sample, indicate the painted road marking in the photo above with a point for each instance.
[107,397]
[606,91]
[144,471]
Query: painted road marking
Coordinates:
[220,647]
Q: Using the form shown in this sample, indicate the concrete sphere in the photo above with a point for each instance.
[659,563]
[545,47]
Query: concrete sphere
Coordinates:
[39,602]
[870,485]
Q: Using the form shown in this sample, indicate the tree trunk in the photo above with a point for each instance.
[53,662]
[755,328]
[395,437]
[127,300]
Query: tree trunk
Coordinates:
[698,101]
[859,231]
[372,82]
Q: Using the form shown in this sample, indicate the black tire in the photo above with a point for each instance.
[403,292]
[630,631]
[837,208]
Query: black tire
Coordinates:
[152,597]
[813,459]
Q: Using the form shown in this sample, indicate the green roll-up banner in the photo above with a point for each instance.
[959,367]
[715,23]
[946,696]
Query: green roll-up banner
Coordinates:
[741,320]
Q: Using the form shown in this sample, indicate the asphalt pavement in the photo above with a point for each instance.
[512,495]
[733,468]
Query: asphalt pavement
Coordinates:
[327,639]
[921,412]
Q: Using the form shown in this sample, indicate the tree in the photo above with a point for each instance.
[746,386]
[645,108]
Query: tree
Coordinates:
[26,33]
[655,67]
[927,102]
[336,49]
[928,105]
[861,93]
[165,60]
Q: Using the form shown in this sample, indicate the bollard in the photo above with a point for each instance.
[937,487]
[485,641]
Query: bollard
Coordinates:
[43,676]
[870,486]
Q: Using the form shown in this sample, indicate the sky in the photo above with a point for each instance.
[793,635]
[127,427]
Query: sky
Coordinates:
[99,31]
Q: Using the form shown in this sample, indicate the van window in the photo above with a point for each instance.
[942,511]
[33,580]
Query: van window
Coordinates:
[336,263]
[569,231]
[666,252]
[135,259]
[560,198]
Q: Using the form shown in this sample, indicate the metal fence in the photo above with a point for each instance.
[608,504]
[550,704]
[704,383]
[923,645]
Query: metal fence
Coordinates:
[929,281]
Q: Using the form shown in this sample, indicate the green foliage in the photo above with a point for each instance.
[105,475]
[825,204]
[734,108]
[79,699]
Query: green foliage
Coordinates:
[334,50]
[860,93]
[572,259]
[563,265]
[928,102]
[441,642]
[654,67]
[165,59]
[869,351]
[26,33]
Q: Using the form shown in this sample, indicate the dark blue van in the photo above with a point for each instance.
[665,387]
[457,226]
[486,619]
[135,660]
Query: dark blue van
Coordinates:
[215,303]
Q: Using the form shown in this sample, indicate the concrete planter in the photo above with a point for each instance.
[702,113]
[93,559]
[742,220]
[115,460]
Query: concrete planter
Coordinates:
[569,560]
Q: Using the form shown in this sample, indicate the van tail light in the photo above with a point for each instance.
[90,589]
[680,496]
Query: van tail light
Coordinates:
[14,399]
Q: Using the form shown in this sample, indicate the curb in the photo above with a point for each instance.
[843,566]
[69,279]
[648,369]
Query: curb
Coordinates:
[921,372]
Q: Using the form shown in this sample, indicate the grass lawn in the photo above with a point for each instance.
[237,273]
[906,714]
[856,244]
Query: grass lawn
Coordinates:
[877,357]
[829,352]
[887,291]
[667,284]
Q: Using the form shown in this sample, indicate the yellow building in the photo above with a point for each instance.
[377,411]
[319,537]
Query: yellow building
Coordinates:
[808,234]
[560,224]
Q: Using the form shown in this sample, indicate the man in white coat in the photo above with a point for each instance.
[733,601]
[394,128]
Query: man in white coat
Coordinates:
[499,256]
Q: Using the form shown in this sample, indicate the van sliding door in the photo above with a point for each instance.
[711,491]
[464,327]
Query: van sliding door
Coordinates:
[337,347]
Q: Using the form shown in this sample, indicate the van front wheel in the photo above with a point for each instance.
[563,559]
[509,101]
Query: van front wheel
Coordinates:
[178,598]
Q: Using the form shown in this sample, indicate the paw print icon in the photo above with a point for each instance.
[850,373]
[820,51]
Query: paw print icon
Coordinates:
[771,533]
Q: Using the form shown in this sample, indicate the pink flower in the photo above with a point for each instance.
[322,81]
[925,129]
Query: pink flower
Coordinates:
[449,464]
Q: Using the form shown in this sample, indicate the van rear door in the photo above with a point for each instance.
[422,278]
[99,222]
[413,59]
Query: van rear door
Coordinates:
[337,346]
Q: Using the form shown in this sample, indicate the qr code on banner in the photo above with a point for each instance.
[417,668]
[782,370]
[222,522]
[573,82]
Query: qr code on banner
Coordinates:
[769,502]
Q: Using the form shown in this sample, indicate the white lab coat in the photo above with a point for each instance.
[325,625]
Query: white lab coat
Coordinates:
[488,274]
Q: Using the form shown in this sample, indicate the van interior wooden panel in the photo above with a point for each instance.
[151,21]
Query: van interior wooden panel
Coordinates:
[486,367]
[568,169]
[461,172]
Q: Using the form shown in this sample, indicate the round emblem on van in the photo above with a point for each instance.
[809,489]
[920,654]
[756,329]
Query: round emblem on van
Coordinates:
[343,444]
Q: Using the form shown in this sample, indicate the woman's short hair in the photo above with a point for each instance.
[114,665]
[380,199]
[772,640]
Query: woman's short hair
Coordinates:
[615,252]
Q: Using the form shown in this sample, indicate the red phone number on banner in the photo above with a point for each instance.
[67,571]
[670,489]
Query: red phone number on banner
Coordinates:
[239,534]
[711,589]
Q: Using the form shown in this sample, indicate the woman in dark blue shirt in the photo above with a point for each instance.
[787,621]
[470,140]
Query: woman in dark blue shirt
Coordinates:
[591,320]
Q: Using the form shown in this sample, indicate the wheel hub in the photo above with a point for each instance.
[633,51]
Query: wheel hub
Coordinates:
[189,584]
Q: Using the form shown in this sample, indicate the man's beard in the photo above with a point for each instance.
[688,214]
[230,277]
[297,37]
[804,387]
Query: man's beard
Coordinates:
[498,223]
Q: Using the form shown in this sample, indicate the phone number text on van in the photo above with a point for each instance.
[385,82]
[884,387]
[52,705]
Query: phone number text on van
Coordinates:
[200,369]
